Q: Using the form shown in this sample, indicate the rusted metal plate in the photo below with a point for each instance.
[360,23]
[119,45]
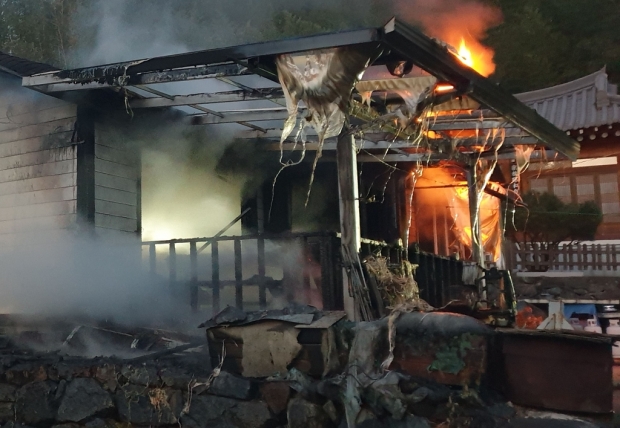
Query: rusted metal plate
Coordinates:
[416,363]
[558,371]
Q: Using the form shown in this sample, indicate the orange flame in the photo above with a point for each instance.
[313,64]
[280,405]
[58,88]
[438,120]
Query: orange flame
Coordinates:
[475,56]
[465,55]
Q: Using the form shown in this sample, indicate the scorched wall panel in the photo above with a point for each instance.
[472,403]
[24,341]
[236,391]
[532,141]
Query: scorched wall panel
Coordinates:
[37,163]
[117,189]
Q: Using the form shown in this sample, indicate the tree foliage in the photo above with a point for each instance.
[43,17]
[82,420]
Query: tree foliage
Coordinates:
[40,30]
[542,43]
[548,220]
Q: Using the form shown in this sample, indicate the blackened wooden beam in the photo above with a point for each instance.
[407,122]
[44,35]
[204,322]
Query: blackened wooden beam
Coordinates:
[430,55]
[97,77]
[240,116]
[218,97]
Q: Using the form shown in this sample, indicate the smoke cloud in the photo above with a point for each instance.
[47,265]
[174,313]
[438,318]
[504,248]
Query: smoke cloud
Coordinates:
[454,21]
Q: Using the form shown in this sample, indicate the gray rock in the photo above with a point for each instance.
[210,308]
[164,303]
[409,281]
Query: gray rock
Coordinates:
[83,398]
[331,411]
[70,369]
[154,407]
[409,421]
[96,423]
[371,423]
[69,425]
[176,378]
[34,403]
[107,376]
[210,411]
[555,291]
[501,410]
[366,418]
[419,394]
[22,374]
[304,414]
[7,392]
[251,414]
[7,412]
[231,386]
[145,375]
[13,424]
[276,395]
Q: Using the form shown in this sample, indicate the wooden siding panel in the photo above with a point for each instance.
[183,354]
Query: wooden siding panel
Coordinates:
[38,197]
[114,195]
[115,169]
[117,223]
[35,144]
[38,117]
[37,165]
[114,209]
[115,155]
[27,102]
[37,130]
[37,158]
[36,224]
[37,184]
[50,209]
[118,183]
[44,170]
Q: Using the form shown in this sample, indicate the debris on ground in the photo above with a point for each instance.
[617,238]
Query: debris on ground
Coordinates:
[412,369]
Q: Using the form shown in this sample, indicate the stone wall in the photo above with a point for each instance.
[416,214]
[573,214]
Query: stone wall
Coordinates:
[48,390]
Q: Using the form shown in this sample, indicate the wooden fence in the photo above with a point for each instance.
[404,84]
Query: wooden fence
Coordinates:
[536,257]
[205,267]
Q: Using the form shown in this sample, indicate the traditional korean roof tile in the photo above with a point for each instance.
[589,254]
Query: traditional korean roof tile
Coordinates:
[22,67]
[583,103]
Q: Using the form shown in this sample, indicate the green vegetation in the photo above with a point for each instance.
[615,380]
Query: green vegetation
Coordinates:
[548,220]
[540,42]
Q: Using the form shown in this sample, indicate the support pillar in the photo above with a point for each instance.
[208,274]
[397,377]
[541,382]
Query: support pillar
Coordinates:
[474,219]
[348,193]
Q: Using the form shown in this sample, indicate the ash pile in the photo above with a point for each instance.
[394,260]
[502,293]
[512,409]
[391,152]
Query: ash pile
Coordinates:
[297,367]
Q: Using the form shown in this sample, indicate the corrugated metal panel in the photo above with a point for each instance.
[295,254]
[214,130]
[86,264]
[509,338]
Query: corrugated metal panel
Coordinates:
[583,103]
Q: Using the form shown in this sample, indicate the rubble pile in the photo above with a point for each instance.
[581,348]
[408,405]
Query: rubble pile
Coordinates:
[411,369]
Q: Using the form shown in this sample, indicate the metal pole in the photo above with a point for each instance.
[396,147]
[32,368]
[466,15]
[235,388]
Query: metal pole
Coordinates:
[474,218]
[348,191]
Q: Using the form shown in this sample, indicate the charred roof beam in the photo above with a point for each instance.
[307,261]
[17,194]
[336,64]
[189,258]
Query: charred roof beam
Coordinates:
[330,144]
[240,116]
[426,53]
[87,78]
[218,97]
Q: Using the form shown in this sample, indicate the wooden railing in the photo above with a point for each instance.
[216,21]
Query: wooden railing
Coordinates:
[437,276]
[206,267]
[537,257]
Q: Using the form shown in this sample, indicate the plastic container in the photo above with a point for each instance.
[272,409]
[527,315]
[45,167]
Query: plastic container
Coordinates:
[614,327]
[615,350]
[576,324]
[592,326]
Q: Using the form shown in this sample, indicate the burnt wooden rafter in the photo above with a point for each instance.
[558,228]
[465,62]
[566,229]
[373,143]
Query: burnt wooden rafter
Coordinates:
[396,145]
[115,75]
[431,56]
[205,98]
[240,116]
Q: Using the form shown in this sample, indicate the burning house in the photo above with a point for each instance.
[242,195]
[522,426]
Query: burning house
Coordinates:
[402,152]
[425,134]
